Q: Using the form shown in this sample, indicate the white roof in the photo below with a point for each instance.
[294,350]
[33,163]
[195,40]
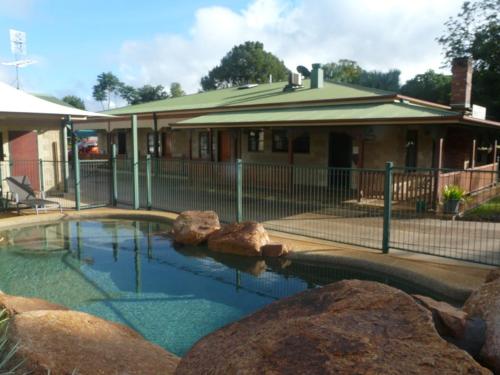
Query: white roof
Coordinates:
[17,101]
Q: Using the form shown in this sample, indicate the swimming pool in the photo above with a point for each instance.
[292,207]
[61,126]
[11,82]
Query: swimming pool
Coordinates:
[130,272]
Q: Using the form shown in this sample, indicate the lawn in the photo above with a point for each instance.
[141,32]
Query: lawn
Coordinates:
[489,211]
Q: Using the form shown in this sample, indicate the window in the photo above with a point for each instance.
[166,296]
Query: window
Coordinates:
[203,143]
[411,148]
[256,140]
[280,141]
[166,145]
[301,144]
[150,147]
[122,143]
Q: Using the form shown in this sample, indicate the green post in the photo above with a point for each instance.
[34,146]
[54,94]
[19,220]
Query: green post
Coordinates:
[114,176]
[135,163]
[148,182]
[64,154]
[76,164]
[239,191]
[1,179]
[41,175]
[386,235]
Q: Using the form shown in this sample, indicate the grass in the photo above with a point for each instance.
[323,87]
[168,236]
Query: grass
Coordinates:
[7,352]
[489,211]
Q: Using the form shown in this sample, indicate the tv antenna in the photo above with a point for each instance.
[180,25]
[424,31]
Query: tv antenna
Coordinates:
[18,49]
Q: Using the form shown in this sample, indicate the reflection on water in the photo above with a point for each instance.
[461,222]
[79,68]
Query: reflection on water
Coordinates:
[130,272]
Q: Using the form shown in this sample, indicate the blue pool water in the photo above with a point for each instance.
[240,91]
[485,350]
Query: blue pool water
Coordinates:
[130,272]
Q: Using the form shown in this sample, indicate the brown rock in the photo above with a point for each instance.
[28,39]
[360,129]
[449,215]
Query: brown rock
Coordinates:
[18,305]
[448,319]
[485,304]
[194,227]
[63,341]
[492,275]
[349,327]
[275,249]
[245,238]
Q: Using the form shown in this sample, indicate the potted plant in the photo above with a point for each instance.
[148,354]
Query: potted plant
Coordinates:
[452,196]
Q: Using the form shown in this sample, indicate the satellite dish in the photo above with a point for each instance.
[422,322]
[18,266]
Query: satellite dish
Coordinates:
[18,48]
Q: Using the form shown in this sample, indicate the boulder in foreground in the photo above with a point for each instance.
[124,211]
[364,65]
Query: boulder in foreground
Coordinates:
[194,227]
[349,327]
[18,305]
[485,304]
[65,341]
[273,250]
[245,238]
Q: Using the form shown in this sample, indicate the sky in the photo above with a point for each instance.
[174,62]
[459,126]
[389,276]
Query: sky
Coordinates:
[164,41]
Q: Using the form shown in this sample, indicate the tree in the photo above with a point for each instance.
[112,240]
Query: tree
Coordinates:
[144,94]
[301,69]
[108,85]
[388,81]
[475,32]
[431,86]
[176,90]
[74,101]
[345,71]
[246,63]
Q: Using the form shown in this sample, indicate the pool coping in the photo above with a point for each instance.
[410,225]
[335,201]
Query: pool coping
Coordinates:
[453,279]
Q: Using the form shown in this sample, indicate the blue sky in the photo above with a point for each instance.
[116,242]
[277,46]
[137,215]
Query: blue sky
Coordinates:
[160,42]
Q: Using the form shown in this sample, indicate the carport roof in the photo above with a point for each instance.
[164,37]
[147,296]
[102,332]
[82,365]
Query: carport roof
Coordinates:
[17,102]
[320,114]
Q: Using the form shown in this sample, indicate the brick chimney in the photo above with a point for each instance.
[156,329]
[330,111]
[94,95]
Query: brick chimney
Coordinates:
[461,83]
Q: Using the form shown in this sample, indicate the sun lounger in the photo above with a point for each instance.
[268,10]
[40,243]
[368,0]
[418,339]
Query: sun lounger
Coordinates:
[23,195]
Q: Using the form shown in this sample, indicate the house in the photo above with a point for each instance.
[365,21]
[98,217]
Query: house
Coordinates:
[316,123]
[34,129]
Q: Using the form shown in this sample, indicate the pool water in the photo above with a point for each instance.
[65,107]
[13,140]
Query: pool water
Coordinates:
[130,272]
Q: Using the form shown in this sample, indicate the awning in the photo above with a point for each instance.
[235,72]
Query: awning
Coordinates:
[17,102]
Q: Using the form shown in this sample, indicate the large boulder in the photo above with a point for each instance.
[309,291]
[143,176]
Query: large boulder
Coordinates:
[245,238]
[18,305]
[274,250]
[349,327]
[485,304]
[67,341]
[492,275]
[194,227]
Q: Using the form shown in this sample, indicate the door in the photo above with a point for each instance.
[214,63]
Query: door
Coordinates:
[226,146]
[24,156]
[339,160]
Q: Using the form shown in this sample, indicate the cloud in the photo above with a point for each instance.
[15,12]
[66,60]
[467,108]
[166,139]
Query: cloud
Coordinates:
[379,35]
[18,9]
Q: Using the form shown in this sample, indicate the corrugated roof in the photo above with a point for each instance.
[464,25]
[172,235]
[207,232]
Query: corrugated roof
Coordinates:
[267,93]
[322,113]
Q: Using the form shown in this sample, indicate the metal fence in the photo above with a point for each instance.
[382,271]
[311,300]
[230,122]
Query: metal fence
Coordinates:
[378,208]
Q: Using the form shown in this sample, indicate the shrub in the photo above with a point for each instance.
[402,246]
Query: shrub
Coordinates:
[453,193]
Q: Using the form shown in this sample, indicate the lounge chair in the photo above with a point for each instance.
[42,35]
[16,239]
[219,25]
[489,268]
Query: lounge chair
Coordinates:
[23,195]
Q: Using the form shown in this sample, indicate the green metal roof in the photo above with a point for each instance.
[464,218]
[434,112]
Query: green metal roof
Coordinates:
[267,93]
[322,113]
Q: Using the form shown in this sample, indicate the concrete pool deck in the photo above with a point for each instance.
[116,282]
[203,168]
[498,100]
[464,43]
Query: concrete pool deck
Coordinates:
[453,278]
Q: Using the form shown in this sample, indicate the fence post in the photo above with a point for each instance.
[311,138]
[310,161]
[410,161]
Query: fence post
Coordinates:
[386,234]
[41,175]
[149,203]
[239,191]
[135,163]
[114,176]
[1,179]
[76,164]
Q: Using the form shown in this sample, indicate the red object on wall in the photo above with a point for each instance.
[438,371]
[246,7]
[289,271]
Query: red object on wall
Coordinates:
[24,156]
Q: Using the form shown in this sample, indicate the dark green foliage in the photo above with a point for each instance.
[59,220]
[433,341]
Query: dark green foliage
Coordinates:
[144,94]
[348,71]
[74,101]
[431,86]
[176,90]
[108,85]
[345,71]
[475,32]
[304,71]
[246,63]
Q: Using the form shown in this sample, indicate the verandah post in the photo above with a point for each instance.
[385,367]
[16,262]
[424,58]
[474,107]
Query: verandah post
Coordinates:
[386,234]
[135,163]
[41,175]
[148,182]
[114,176]
[76,163]
[239,191]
